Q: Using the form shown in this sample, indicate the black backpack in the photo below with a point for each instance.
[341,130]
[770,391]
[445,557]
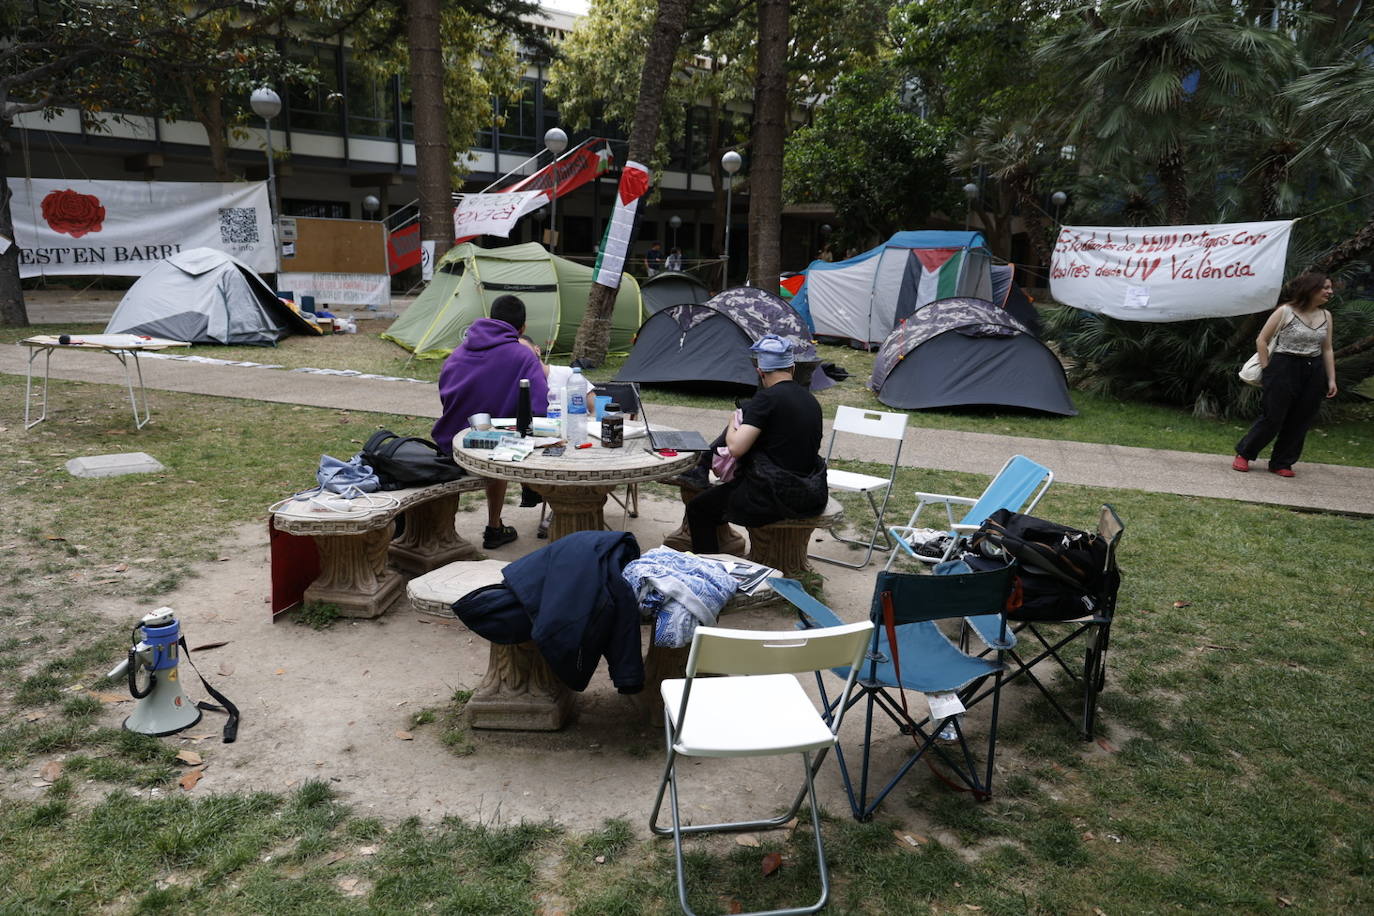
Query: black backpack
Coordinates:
[1063,570]
[407,461]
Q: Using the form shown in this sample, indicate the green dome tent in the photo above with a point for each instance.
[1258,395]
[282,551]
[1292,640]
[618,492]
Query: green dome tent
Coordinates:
[468,278]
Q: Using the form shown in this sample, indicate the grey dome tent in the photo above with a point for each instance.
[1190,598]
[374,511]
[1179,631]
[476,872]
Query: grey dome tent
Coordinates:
[709,341]
[205,296]
[671,287]
[962,352]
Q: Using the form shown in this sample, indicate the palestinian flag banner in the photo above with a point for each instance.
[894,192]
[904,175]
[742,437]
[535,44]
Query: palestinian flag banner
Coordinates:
[941,269]
[620,231]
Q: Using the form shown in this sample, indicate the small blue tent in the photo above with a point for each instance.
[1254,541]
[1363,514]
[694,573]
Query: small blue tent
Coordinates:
[857,298]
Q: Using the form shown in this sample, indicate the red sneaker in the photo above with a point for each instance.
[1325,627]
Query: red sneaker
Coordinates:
[1240,464]
[1283,472]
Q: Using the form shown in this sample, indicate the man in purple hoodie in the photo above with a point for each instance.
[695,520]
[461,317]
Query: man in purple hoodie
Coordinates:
[483,376]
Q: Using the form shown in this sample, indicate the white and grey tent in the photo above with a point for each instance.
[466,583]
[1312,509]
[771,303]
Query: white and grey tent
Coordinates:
[857,298]
[963,352]
[709,342]
[205,296]
[671,287]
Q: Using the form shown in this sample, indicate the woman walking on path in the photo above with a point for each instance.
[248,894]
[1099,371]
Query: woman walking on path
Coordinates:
[1296,374]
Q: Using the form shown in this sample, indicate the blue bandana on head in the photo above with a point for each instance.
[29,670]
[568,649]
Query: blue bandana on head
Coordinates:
[772,352]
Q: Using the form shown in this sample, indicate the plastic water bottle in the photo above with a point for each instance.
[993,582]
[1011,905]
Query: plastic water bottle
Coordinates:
[554,412]
[576,431]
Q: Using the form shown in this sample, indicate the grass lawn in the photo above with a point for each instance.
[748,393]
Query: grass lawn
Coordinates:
[1234,774]
[1344,435]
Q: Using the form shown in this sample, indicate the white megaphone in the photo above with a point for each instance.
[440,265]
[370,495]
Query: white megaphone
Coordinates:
[163,706]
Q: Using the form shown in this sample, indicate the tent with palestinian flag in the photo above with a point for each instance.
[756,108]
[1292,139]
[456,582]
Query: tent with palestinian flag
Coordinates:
[864,297]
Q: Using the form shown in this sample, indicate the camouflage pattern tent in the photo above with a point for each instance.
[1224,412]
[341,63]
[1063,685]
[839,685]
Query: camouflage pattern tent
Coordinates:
[709,341]
[961,352]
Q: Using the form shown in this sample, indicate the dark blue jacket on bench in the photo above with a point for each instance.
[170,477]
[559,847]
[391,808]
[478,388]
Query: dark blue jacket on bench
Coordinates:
[572,600]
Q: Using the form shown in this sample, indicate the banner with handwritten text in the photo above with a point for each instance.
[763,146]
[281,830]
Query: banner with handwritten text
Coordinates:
[1170,273]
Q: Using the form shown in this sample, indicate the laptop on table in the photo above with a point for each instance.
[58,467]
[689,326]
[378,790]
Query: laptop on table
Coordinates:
[678,441]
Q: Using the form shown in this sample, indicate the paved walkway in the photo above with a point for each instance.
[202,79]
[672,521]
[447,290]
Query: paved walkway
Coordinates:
[1318,486]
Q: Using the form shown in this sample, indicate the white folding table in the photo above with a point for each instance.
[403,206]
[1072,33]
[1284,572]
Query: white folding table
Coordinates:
[120,346]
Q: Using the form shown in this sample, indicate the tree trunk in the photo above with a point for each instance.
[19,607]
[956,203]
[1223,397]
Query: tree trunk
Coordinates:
[12,311]
[594,334]
[433,160]
[1173,175]
[770,131]
[1357,246]
[1022,184]
[218,139]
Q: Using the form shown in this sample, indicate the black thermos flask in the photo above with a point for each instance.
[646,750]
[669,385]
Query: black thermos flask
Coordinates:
[524,414]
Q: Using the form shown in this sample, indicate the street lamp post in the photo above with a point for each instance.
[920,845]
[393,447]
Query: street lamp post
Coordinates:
[371,204]
[730,164]
[1058,198]
[555,141]
[674,223]
[267,105]
[970,192]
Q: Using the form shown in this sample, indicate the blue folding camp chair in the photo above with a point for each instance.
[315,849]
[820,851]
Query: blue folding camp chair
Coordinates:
[1018,486]
[909,653]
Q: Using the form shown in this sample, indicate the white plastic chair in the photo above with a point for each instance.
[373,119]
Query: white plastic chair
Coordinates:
[1019,480]
[879,425]
[767,714]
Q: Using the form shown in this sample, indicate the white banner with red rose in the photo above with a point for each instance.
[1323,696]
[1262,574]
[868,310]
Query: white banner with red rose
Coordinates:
[1170,273]
[123,228]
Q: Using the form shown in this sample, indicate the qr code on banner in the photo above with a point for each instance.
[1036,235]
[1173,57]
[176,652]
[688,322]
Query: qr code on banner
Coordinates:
[238,225]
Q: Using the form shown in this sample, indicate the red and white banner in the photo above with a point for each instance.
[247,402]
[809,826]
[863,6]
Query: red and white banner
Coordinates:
[620,231]
[123,228]
[1170,273]
[493,214]
[574,170]
[403,248]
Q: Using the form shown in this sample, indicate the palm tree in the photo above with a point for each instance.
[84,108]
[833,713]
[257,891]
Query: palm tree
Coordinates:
[1014,150]
[1150,79]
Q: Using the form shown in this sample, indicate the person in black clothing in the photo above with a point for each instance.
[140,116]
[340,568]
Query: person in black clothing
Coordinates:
[781,474]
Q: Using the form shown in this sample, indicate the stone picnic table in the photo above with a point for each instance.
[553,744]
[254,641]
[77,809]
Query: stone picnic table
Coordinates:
[518,690]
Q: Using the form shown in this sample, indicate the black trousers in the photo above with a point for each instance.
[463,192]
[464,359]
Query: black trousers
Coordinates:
[1293,391]
[706,512]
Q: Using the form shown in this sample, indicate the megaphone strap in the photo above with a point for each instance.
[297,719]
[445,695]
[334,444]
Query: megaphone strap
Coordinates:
[231,727]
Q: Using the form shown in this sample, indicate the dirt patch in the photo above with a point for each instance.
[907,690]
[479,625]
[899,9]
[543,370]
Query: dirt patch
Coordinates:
[329,704]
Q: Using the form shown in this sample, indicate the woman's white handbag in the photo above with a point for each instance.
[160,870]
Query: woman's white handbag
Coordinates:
[1251,373]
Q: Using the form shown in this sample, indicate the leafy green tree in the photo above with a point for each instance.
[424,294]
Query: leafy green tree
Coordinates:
[872,155]
[715,65]
[458,55]
[967,61]
[98,55]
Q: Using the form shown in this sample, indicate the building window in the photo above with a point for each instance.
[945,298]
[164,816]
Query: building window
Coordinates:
[316,108]
[486,137]
[518,133]
[318,209]
[371,104]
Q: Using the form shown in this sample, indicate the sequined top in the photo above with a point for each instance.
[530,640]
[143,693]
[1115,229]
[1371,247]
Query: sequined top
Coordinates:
[1297,338]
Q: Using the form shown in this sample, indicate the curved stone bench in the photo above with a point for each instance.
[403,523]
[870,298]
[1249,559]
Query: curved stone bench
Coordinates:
[355,545]
[783,544]
[519,691]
